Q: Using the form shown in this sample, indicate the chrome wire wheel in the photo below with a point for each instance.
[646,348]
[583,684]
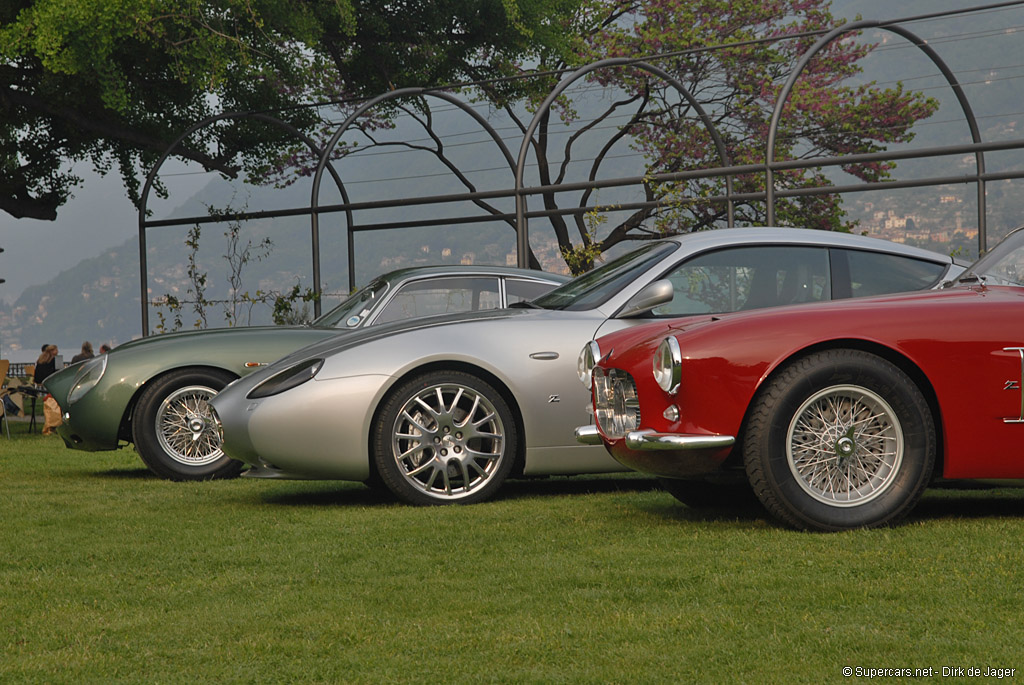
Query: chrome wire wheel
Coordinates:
[448,441]
[845,446]
[186,428]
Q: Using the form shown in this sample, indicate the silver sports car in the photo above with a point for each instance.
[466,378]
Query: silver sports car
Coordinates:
[444,410]
[153,392]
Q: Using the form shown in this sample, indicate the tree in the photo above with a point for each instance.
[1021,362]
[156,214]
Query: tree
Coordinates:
[737,85]
[114,83]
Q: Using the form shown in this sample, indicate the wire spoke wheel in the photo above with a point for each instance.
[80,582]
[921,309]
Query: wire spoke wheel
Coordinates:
[185,426]
[448,441]
[845,445]
[174,430]
[840,439]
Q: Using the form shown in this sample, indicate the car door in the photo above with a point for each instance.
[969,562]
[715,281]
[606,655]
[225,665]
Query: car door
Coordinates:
[748,277]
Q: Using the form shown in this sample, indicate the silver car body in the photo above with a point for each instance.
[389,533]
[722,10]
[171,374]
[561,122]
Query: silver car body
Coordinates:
[107,415]
[323,428]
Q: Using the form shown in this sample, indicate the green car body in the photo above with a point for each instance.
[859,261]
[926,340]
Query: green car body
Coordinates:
[101,418]
[152,392]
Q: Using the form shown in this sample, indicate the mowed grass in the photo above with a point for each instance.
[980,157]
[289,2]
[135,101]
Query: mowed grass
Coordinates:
[108,574]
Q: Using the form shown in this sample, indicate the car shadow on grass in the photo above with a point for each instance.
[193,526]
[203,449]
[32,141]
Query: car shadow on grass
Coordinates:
[750,513]
[554,486]
[356,494]
[123,474]
[961,501]
[969,502]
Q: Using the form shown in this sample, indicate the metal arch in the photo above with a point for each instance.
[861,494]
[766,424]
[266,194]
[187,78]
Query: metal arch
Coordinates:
[151,178]
[521,228]
[951,79]
[326,154]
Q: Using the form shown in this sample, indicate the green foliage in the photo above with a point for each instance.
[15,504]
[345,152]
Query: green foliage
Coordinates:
[285,311]
[114,82]
[110,575]
[581,258]
[237,308]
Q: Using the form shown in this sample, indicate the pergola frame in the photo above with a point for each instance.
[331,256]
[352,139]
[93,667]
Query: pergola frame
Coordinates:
[520,192]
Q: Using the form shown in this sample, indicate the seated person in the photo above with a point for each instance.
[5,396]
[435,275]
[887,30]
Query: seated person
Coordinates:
[46,364]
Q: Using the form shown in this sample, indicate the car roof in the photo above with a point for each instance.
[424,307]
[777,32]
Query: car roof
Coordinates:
[776,234]
[469,270]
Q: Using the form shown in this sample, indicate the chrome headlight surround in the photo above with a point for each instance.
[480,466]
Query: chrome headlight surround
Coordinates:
[616,403]
[87,378]
[292,377]
[586,362]
[668,365]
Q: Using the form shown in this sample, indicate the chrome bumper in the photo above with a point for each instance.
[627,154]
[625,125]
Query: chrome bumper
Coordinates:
[588,435]
[649,440]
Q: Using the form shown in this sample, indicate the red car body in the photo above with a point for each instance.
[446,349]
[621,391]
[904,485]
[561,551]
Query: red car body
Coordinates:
[962,345]
[961,350]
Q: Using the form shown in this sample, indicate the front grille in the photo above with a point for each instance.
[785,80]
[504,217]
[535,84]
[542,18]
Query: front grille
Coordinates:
[615,402]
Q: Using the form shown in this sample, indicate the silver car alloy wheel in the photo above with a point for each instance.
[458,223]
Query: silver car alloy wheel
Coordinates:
[448,441]
[845,446]
[185,426]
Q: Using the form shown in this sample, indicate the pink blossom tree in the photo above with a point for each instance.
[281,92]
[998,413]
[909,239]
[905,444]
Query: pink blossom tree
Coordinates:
[715,48]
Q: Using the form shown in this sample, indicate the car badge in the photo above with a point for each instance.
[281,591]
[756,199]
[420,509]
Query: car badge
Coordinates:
[1015,384]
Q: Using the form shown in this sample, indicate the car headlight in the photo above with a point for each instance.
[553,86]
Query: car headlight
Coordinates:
[668,365]
[291,377]
[87,378]
[616,404]
[586,362]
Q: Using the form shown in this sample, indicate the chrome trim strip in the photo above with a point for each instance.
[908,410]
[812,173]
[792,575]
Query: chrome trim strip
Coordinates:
[1020,351]
[677,364]
[649,440]
[588,435]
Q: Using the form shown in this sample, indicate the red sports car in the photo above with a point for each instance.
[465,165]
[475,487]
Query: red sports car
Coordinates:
[838,415]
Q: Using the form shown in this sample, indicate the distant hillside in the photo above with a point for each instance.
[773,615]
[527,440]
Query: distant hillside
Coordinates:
[98,300]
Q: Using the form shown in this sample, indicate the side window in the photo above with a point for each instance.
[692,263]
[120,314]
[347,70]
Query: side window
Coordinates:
[441,296]
[518,290]
[876,273]
[738,278]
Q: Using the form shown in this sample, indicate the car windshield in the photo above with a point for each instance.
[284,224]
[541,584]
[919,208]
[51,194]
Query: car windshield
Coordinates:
[595,287]
[355,309]
[1003,265]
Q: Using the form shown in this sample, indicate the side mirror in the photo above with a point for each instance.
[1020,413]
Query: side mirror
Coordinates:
[651,296]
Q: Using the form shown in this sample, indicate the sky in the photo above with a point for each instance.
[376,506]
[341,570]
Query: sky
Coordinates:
[100,215]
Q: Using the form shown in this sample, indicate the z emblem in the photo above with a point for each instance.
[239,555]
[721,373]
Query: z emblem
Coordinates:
[1016,384]
[554,398]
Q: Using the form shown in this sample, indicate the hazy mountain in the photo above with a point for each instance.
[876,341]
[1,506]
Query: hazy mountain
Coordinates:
[98,299]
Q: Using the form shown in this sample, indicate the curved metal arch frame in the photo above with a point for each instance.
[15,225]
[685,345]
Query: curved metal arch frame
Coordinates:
[951,79]
[332,143]
[522,231]
[517,166]
[151,179]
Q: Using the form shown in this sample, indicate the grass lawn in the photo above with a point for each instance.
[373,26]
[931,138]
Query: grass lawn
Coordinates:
[108,574]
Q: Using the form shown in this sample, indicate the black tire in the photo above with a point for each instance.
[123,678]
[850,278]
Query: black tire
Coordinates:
[840,439]
[173,431]
[704,494]
[424,449]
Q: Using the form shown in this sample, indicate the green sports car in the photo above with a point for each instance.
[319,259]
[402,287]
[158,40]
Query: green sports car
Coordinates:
[153,392]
